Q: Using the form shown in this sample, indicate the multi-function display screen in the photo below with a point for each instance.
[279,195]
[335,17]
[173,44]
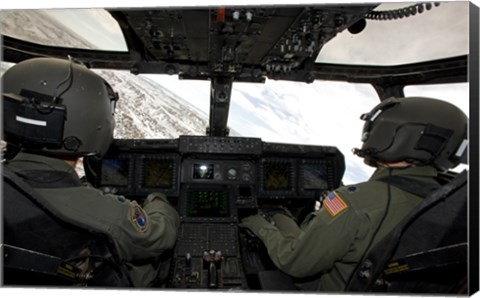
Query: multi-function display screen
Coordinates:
[203,171]
[115,172]
[158,173]
[277,175]
[208,204]
[315,176]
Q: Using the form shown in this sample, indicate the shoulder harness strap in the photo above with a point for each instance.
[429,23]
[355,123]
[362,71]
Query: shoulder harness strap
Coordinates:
[49,179]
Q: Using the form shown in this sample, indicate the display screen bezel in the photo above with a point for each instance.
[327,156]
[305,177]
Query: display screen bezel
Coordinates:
[171,161]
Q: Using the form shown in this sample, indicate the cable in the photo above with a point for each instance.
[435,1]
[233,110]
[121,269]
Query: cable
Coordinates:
[56,96]
[68,78]
[388,15]
[380,224]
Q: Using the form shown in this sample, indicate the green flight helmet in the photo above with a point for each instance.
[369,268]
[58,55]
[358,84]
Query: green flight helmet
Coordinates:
[57,107]
[419,130]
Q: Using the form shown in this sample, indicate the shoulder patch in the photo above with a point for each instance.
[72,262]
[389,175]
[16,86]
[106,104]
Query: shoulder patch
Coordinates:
[352,189]
[138,217]
[334,204]
[121,199]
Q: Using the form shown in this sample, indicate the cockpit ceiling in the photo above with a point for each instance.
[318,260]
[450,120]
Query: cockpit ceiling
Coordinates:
[241,42]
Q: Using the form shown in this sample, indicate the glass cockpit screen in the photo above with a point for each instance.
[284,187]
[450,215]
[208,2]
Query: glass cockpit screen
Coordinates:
[203,171]
[315,176]
[208,204]
[277,176]
[115,172]
[158,173]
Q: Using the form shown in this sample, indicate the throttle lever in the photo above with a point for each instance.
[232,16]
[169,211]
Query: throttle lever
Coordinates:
[212,258]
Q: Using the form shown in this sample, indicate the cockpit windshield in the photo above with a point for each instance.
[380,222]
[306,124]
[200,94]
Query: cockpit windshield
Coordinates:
[435,33]
[92,29]
[325,112]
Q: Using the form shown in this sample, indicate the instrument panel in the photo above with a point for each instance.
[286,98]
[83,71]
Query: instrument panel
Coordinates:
[214,182]
[135,168]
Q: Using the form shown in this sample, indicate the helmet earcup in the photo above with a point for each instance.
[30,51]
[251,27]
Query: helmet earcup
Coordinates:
[419,130]
[88,122]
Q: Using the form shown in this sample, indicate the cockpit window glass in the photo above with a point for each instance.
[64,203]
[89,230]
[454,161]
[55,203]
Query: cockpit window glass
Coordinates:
[320,113]
[457,94]
[93,29]
[440,32]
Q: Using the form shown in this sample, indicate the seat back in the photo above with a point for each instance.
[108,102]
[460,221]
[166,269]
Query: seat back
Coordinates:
[43,248]
[426,252]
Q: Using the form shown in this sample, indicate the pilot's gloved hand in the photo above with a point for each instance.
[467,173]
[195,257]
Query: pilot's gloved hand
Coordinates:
[255,223]
[270,212]
[157,204]
[154,196]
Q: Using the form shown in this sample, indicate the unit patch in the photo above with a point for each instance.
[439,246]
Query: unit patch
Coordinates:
[334,204]
[138,217]
[352,189]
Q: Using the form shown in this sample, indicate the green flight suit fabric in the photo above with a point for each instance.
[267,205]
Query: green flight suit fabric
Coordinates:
[138,232]
[331,241]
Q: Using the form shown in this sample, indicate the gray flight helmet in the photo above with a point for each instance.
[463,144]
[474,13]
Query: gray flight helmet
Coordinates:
[57,107]
[419,130]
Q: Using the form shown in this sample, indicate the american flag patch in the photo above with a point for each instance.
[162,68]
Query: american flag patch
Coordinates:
[334,204]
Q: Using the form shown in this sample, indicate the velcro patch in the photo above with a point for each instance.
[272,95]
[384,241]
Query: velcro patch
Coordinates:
[138,217]
[334,204]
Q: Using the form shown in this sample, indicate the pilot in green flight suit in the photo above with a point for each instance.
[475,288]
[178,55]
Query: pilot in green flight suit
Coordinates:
[413,138]
[139,233]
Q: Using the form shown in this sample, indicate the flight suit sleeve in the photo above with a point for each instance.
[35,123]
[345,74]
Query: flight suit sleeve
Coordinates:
[138,232]
[312,249]
[161,211]
[286,225]
[148,230]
